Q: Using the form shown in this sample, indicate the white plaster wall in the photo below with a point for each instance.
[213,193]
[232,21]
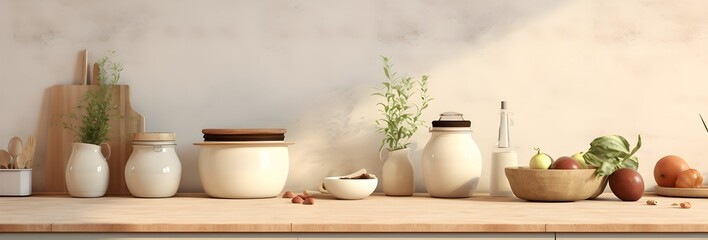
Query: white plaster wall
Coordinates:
[572,70]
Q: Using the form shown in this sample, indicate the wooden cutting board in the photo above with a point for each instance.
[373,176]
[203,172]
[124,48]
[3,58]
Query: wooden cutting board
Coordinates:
[62,101]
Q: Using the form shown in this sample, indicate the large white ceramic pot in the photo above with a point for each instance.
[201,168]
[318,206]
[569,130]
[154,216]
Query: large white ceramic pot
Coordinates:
[153,169]
[86,171]
[452,163]
[243,169]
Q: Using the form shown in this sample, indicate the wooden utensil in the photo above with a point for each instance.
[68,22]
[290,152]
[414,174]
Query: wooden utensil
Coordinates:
[14,147]
[4,159]
[28,153]
[84,69]
[94,77]
[62,102]
[20,161]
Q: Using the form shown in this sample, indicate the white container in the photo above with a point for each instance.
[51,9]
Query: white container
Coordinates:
[87,171]
[503,157]
[243,169]
[499,184]
[397,175]
[15,182]
[452,163]
[350,189]
[153,169]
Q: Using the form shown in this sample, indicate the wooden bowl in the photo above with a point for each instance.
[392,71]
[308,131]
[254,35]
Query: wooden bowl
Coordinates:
[555,185]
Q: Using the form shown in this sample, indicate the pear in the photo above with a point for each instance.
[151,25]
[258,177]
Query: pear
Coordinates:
[579,157]
[540,160]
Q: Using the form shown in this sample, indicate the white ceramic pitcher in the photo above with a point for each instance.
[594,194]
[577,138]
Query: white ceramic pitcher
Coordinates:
[87,170]
[397,174]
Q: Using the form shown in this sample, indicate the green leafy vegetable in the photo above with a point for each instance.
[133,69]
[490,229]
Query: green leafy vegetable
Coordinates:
[704,122]
[609,153]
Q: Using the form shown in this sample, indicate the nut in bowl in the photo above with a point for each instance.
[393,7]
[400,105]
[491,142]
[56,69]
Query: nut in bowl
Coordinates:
[350,188]
[555,185]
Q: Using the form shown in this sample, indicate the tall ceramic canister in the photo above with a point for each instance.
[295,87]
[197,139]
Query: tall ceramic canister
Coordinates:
[153,169]
[452,163]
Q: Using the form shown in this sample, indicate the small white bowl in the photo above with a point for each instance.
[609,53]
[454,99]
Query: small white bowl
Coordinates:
[350,189]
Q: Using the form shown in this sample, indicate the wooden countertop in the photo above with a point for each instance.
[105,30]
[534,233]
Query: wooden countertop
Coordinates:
[420,213]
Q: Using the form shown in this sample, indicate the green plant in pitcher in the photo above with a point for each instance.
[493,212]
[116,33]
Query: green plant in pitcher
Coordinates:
[97,105]
[401,115]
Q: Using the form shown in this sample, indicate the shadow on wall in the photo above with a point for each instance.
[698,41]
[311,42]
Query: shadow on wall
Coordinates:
[337,136]
[333,139]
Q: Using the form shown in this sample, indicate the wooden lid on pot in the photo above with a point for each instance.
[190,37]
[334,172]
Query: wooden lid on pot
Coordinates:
[238,135]
[154,136]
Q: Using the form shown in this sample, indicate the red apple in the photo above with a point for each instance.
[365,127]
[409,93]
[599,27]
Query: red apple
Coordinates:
[566,162]
[627,184]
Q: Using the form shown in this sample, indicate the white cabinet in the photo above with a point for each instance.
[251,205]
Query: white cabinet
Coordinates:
[278,236]
[145,236]
[426,236]
[355,236]
[631,236]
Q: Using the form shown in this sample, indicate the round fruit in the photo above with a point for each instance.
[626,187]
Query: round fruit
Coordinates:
[566,163]
[667,169]
[690,178]
[627,184]
[579,157]
[540,160]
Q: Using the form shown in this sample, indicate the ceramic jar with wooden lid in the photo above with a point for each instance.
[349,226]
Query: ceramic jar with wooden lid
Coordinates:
[153,169]
[243,163]
[452,163]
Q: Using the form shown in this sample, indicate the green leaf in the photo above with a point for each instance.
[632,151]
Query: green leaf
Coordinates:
[401,116]
[632,163]
[611,143]
[606,169]
[592,160]
[636,148]
[609,153]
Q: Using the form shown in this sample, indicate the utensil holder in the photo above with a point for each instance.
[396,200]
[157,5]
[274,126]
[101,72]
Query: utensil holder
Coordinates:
[15,182]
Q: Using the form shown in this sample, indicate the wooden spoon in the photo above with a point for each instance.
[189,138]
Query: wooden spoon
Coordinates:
[28,151]
[20,161]
[4,159]
[14,148]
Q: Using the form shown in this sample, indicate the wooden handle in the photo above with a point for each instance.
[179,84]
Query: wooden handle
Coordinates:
[96,70]
[84,69]
[108,146]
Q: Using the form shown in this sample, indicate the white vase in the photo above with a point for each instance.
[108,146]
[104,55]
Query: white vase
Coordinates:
[87,171]
[397,174]
[153,169]
[452,163]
